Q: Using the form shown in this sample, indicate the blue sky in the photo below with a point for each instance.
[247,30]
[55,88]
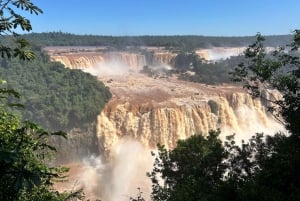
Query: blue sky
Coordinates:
[168,17]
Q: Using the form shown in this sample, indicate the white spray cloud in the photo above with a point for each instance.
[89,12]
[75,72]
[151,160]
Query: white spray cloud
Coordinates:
[125,171]
[162,67]
[250,122]
[219,53]
[108,68]
[119,178]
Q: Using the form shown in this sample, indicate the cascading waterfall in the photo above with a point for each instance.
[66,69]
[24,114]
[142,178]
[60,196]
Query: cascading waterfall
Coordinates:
[145,111]
[164,58]
[78,61]
[87,60]
[168,121]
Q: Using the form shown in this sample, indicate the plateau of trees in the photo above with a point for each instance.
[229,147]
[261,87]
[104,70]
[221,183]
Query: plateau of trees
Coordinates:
[192,68]
[25,155]
[175,43]
[54,96]
[265,168]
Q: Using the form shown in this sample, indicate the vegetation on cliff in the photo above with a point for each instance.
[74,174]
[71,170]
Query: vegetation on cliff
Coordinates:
[192,68]
[54,96]
[25,155]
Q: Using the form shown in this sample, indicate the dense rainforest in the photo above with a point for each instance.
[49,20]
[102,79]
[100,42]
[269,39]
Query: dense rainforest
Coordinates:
[54,96]
[185,43]
[192,68]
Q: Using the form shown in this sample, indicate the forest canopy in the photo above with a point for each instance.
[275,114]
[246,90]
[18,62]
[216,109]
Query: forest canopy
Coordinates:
[54,96]
[182,42]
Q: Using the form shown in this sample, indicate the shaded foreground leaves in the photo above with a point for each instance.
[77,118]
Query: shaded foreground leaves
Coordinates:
[265,168]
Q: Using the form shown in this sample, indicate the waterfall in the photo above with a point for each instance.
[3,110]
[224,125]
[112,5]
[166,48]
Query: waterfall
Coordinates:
[145,111]
[170,120]
[100,60]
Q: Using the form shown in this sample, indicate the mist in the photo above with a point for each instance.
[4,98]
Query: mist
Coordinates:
[108,68]
[219,53]
[119,177]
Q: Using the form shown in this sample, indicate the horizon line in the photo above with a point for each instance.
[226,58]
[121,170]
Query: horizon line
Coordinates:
[156,35]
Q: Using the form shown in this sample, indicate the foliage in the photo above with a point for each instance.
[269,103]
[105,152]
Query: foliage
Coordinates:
[26,172]
[24,157]
[266,168]
[173,43]
[199,168]
[192,68]
[42,193]
[280,71]
[11,20]
[186,60]
[192,171]
[54,96]
[139,196]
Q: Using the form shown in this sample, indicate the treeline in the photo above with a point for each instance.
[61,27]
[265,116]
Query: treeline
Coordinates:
[54,96]
[192,68]
[182,42]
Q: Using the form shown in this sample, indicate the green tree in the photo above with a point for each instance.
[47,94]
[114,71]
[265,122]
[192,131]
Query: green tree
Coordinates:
[24,157]
[54,96]
[25,171]
[266,168]
[277,70]
[11,21]
[191,171]
[276,175]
